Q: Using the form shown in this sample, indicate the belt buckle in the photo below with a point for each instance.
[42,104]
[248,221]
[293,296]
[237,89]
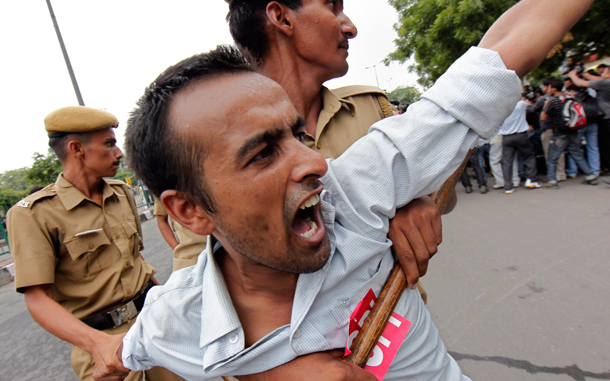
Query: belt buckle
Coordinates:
[122,314]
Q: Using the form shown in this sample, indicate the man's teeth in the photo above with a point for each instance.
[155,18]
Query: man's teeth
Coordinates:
[313,200]
[314,228]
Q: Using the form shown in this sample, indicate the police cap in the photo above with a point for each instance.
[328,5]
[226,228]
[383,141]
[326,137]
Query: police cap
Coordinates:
[75,119]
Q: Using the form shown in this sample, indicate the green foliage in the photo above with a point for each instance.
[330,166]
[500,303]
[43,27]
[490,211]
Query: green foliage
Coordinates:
[45,169]
[15,179]
[8,198]
[437,32]
[123,172]
[405,94]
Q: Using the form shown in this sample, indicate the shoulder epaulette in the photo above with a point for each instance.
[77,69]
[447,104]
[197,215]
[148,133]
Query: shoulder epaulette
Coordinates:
[350,91]
[115,182]
[27,202]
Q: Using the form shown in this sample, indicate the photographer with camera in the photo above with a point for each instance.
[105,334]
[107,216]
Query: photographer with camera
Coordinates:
[601,85]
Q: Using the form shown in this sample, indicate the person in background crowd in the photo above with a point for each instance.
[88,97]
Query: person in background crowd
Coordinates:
[563,137]
[601,85]
[589,133]
[547,129]
[495,162]
[478,170]
[515,138]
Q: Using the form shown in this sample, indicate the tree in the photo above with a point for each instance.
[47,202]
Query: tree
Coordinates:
[15,179]
[405,94]
[437,32]
[45,169]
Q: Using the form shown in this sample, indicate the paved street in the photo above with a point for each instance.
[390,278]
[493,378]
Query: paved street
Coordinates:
[520,290]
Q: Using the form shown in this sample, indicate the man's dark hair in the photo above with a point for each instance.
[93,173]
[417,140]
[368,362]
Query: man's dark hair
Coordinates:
[601,67]
[247,25]
[557,84]
[547,81]
[60,145]
[161,157]
[573,87]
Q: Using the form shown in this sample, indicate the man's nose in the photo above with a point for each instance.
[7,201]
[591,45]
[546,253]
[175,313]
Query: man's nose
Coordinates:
[118,154]
[308,164]
[348,28]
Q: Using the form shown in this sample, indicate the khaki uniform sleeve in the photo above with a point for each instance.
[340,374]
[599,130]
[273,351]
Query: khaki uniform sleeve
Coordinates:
[32,248]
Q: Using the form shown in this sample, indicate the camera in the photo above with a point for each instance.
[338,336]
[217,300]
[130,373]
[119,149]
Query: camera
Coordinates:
[579,67]
[531,94]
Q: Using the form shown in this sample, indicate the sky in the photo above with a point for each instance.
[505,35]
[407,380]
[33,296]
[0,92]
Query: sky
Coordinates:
[117,47]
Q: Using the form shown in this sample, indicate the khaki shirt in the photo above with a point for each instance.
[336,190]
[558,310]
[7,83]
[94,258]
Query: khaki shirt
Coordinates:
[88,252]
[347,113]
[190,245]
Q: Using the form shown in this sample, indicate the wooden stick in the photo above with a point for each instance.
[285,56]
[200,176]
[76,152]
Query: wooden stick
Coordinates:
[374,324]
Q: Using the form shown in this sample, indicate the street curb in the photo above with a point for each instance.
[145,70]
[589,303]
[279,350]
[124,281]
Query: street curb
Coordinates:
[146,215]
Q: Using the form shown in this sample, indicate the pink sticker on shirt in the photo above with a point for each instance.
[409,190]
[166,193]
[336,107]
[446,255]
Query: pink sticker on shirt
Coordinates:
[389,342]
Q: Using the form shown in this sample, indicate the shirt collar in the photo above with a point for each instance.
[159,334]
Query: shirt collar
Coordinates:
[331,104]
[218,316]
[70,196]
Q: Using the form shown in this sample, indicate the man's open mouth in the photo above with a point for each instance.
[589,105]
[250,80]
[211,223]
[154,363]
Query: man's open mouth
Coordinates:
[307,218]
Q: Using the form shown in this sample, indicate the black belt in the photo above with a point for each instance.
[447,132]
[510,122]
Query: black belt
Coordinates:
[121,314]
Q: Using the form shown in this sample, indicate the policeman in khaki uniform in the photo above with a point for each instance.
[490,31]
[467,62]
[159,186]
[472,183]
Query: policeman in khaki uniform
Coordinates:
[300,47]
[75,244]
[187,246]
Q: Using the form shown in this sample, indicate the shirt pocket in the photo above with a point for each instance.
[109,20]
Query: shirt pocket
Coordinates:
[89,254]
[130,247]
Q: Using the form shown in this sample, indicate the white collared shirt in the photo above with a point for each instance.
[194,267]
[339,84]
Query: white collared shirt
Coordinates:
[190,325]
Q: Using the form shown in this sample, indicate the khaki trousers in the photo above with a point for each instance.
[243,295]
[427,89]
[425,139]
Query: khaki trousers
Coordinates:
[83,364]
[561,163]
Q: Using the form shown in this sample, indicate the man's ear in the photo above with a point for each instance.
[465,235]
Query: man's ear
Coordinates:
[280,18]
[76,149]
[187,213]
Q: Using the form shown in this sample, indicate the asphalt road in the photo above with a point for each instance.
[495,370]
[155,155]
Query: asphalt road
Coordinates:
[520,290]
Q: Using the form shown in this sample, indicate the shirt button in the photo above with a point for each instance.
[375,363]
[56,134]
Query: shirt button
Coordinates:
[319,145]
[233,338]
[297,333]
[90,246]
[117,236]
[128,292]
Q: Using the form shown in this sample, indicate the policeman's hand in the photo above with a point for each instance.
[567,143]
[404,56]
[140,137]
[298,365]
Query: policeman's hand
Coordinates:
[327,366]
[416,231]
[107,356]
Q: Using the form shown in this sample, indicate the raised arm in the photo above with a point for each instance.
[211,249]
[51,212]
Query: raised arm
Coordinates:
[511,35]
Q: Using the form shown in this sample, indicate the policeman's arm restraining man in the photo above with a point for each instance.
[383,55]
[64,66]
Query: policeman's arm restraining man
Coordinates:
[76,242]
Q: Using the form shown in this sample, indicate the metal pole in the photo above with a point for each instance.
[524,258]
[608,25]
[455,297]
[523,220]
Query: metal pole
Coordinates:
[66,58]
[374,68]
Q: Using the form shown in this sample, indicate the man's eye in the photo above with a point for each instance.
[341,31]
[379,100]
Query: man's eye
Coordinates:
[300,136]
[264,154]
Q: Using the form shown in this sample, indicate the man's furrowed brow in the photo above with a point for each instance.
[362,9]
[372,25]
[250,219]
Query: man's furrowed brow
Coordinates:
[256,141]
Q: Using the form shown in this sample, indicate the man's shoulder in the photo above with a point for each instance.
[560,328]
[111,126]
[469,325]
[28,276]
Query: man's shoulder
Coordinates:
[358,90]
[42,195]
[116,183]
[600,84]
